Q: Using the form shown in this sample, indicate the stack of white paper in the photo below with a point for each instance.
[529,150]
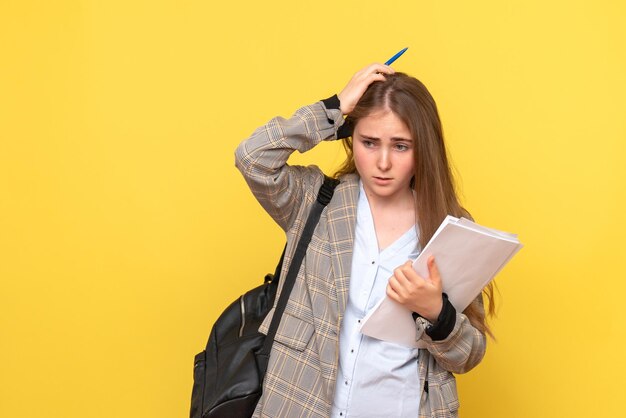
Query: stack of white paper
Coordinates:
[468,256]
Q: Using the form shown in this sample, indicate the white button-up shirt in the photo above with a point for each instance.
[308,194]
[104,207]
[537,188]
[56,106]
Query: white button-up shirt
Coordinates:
[375,378]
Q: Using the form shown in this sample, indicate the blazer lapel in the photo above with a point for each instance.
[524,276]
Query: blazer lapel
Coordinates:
[341,215]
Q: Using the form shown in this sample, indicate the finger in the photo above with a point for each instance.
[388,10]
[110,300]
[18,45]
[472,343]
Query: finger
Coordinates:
[366,79]
[365,72]
[399,275]
[433,271]
[402,289]
[397,287]
[410,273]
[380,68]
[408,282]
[374,72]
[393,295]
[376,77]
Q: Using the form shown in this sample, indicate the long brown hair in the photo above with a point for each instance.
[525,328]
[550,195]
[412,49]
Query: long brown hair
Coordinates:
[433,183]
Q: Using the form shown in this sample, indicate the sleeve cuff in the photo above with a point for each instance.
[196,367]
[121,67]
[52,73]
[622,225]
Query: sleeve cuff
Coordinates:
[345,130]
[332,102]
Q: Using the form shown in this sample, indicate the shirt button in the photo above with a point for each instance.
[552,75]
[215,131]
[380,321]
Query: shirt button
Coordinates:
[373,262]
[358,320]
[341,414]
[352,351]
[346,382]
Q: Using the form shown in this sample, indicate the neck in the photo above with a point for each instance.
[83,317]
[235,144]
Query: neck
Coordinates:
[404,201]
[392,216]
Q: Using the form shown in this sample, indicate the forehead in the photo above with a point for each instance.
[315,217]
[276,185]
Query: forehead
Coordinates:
[382,123]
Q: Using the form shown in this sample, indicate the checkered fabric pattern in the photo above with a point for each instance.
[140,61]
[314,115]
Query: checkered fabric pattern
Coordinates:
[301,375]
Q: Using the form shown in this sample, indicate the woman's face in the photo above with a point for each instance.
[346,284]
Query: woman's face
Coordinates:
[383,154]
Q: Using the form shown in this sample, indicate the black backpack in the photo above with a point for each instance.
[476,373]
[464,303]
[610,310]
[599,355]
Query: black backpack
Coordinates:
[228,374]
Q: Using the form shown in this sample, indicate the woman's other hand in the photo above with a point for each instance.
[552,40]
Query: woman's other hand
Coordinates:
[419,294]
[359,82]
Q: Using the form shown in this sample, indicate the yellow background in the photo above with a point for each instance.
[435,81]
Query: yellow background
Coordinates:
[125,228]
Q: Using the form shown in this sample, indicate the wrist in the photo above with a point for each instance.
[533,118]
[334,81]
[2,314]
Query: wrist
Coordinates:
[435,313]
[334,103]
[339,97]
[443,325]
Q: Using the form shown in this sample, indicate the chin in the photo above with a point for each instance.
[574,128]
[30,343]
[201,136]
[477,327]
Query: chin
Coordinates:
[383,192]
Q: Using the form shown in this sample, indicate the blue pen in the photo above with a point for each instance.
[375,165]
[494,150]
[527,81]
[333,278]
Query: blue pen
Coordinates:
[395,57]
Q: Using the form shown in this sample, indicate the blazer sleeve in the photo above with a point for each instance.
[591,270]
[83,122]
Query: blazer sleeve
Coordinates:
[262,159]
[463,349]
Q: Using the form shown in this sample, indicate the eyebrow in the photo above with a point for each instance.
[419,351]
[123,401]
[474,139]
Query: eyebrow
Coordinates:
[393,138]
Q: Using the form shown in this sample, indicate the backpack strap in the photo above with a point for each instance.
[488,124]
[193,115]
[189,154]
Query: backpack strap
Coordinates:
[323,198]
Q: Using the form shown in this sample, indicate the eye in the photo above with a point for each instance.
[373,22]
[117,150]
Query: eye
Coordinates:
[402,147]
[367,143]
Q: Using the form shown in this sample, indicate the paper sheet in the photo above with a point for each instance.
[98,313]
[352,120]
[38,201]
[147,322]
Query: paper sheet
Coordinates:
[468,256]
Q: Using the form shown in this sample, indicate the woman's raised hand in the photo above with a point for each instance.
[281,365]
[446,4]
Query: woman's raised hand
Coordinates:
[359,82]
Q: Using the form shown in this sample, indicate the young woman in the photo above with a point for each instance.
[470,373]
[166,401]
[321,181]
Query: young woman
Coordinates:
[395,189]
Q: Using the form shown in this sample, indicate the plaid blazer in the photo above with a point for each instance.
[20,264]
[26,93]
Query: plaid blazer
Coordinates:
[302,370]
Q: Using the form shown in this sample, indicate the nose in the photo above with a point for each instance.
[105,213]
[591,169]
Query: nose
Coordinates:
[384,159]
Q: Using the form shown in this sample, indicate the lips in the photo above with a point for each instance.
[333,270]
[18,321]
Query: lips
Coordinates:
[382,180]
